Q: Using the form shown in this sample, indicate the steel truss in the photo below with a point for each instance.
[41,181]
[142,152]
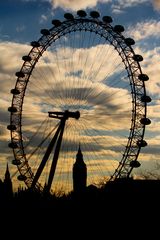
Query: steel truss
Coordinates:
[113,35]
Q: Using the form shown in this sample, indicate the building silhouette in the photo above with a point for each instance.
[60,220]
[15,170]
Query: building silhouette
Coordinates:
[6,187]
[79,173]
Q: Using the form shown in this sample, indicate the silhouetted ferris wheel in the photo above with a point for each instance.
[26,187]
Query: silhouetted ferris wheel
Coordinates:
[81,83]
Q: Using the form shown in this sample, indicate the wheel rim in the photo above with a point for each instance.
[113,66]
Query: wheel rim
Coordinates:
[85,81]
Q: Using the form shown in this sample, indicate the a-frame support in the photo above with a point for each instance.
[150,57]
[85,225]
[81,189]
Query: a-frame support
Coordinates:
[57,139]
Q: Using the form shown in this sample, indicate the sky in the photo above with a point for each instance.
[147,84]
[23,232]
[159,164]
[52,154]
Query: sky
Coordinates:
[20,24]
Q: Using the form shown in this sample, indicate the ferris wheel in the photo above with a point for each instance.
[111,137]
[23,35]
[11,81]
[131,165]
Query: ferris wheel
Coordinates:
[80,84]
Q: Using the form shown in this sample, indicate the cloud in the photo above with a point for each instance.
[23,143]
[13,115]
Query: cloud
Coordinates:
[12,54]
[119,6]
[156,4]
[150,66]
[117,10]
[76,4]
[130,3]
[146,33]
[20,28]
[66,84]
[43,18]
[143,30]
[10,62]
[82,4]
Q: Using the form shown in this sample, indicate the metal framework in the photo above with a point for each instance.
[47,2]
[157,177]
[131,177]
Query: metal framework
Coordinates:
[114,36]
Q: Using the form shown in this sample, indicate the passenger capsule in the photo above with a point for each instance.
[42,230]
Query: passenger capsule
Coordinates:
[141,143]
[81,13]
[107,19]
[21,177]
[56,22]
[16,162]
[15,91]
[26,58]
[12,145]
[129,41]
[35,44]
[143,77]
[12,109]
[138,58]
[135,164]
[94,14]
[45,32]
[68,16]
[20,74]
[145,121]
[118,28]
[146,99]
[11,127]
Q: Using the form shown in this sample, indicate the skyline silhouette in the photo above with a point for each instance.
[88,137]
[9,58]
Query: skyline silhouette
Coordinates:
[79,119]
[94,147]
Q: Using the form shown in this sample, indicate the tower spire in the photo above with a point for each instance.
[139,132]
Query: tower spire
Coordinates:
[7,173]
[79,156]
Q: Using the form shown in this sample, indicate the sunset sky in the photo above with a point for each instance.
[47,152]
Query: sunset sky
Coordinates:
[20,24]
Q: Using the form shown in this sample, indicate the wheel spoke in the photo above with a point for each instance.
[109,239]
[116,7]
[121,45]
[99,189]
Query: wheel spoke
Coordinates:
[86,66]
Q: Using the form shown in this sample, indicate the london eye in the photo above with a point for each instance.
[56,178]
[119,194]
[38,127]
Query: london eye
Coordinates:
[81,84]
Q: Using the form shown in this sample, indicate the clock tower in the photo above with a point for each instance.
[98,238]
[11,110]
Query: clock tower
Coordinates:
[79,173]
